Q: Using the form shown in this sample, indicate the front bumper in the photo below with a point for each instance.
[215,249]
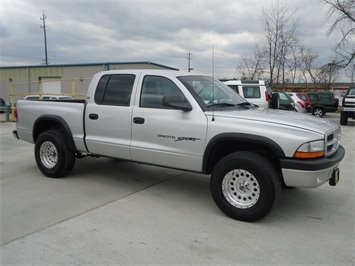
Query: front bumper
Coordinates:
[310,173]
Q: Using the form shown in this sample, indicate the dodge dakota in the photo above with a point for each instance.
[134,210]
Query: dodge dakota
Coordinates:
[190,122]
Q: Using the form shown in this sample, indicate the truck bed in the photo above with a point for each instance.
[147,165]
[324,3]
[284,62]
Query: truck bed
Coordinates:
[70,112]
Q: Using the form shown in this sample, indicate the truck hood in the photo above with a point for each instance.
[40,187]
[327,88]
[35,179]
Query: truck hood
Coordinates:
[287,118]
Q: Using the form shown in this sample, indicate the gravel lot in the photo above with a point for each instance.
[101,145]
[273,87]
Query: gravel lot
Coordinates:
[111,212]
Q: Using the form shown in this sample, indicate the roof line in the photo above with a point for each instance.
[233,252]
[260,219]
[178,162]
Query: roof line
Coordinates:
[92,64]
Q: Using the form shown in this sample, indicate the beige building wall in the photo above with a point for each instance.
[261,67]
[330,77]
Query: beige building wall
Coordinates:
[26,79]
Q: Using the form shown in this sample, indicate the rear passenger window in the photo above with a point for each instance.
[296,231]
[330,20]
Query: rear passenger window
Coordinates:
[326,97]
[251,92]
[115,90]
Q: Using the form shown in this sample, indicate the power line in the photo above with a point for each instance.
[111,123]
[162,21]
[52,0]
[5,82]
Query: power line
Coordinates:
[43,18]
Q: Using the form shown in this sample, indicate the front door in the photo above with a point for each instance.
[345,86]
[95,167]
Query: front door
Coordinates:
[166,136]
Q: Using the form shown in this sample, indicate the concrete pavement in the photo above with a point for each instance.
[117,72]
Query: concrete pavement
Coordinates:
[110,212]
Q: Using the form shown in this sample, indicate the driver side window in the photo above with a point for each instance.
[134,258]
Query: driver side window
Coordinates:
[154,89]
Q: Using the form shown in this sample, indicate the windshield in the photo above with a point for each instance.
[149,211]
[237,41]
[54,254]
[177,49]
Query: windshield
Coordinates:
[212,92]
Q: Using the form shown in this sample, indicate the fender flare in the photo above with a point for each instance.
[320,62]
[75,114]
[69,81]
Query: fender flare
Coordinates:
[59,123]
[242,137]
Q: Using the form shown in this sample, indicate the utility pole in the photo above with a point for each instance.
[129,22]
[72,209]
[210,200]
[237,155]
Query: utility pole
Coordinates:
[43,18]
[189,60]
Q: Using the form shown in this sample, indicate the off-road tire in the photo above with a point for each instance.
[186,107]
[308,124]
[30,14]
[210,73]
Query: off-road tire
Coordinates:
[53,157]
[245,186]
[343,118]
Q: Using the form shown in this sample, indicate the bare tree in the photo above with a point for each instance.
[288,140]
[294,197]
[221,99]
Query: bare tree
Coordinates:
[320,75]
[342,12]
[293,64]
[280,35]
[327,74]
[309,65]
[251,67]
[350,71]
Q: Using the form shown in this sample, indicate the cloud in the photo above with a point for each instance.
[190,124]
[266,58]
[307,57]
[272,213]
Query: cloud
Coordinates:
[158,31]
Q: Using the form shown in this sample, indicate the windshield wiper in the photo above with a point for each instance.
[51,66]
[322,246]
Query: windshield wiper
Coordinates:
[221,105]
[245,104]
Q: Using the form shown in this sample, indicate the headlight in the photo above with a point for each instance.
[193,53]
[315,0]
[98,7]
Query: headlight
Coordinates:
[314,149]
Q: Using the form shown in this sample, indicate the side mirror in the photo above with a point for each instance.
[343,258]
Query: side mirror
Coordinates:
[177,102]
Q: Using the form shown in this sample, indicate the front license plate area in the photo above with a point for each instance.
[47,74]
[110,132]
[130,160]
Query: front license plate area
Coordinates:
[335,177]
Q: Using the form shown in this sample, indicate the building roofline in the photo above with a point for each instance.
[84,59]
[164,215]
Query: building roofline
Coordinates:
[106,64]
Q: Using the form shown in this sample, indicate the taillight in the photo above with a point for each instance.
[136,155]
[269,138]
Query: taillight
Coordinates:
[266,96]
[301,104]
[15,115]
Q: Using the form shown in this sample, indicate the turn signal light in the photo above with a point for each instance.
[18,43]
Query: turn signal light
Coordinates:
[308,155]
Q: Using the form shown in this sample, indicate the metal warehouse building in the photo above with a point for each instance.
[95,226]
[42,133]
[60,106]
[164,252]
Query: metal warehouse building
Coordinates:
[72,79]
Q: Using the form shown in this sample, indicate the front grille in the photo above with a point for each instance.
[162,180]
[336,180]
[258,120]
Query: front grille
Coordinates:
[332,142]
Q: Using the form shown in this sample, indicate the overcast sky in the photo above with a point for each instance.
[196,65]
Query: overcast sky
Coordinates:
[159,31]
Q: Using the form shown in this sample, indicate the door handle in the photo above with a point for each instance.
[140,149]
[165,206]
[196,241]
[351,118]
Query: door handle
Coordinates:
[93,116]
[138,120]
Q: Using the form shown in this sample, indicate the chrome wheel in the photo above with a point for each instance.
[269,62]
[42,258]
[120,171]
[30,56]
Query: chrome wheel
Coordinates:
[48,154]
[241,189]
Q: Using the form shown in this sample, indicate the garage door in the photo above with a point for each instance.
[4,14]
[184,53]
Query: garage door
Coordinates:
[51,86]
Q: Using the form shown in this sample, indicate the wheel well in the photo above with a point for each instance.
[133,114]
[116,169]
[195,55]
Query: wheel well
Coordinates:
[319,107]
[45,125]
[50,123]
[225,147]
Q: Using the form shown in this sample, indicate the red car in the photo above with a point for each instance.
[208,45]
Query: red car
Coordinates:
[304,96]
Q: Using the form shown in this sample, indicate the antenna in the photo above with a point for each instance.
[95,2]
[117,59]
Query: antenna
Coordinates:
[213,82]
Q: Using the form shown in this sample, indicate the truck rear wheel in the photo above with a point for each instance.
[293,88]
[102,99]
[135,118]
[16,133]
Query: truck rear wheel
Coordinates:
[52,154]
[245,186]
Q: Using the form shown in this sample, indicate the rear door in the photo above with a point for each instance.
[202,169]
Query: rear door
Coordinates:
[108,119]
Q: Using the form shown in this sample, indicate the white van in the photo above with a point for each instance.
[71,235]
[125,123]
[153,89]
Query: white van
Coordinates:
[255,91]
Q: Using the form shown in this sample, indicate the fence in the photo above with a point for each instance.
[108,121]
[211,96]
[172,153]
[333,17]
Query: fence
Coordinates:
[75,88]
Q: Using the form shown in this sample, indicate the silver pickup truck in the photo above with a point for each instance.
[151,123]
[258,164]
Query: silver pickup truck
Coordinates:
[189,122]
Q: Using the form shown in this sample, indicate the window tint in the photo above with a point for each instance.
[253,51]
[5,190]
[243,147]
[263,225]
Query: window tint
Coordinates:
[313,97]
[251,92]
[100,89]
[326,97]
[114,90]
[234,87]
[283,97]
[154,88]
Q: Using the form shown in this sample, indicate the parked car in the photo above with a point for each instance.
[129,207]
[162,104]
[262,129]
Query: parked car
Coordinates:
[285,101]
[348,106]
[300,105]
[3,106]
[304,96]
[257,92]
[323,102]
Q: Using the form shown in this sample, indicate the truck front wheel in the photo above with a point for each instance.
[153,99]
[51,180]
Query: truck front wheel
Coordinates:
[52,154]
[245,186]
